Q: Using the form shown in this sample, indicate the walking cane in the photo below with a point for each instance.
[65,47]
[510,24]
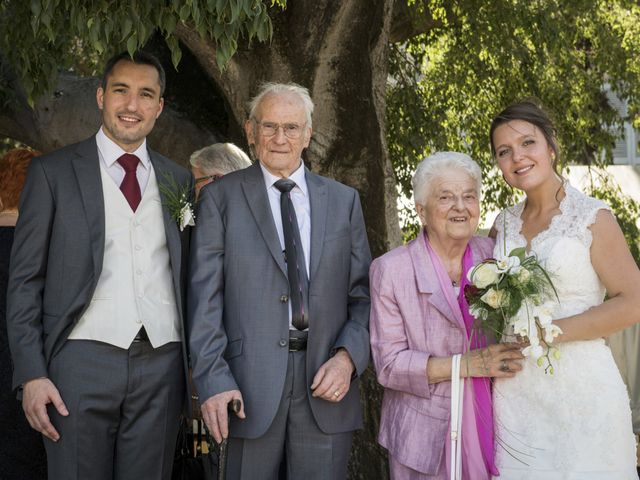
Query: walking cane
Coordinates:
[233,407]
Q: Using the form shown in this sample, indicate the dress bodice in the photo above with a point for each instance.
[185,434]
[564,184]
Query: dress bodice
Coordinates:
[563,249]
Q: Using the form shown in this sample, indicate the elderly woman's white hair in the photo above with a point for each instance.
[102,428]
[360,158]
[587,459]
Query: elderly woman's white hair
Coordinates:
[435,165]
[275,88]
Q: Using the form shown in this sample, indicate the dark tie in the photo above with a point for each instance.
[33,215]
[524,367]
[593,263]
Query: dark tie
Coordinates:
[296,266]
[130,186]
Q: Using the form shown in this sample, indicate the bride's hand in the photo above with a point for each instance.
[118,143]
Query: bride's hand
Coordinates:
[501,360]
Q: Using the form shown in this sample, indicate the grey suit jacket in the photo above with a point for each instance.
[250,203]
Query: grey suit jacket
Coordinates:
[58,250]
[237,297]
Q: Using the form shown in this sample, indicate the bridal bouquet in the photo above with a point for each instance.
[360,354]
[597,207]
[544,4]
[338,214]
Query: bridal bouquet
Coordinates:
[515,294]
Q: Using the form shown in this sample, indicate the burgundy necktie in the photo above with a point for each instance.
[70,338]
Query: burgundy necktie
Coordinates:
[130,186]
[296,265]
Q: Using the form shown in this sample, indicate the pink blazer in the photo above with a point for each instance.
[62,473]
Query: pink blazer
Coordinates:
[411,321]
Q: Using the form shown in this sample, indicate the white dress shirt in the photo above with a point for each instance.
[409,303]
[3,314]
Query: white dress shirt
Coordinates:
[109,153]
[300,199]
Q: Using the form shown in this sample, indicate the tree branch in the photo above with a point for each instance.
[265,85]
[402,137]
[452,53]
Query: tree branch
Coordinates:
[409,21]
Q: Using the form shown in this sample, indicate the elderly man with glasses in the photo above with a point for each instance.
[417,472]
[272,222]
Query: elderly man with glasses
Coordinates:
[279,302]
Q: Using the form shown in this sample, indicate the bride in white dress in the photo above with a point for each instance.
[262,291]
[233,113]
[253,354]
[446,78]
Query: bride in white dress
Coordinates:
[576,423]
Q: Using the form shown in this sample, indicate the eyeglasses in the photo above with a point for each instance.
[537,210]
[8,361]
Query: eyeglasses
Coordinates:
[290,130]
[213,178]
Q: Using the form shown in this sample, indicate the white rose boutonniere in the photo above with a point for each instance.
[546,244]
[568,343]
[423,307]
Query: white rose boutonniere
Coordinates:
[187,217]
[177,198]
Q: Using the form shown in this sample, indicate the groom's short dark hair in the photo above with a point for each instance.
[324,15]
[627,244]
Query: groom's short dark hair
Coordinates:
[139,57]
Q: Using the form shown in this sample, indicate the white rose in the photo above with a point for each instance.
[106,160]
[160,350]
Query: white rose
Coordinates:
[494,298]
[484,275]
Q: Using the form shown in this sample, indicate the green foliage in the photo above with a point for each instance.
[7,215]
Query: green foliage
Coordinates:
[449,82]
[49,34]
[625,209]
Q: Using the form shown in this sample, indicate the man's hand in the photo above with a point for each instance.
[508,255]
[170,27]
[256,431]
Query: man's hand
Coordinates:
[214,412]
[36,395]
[333,379]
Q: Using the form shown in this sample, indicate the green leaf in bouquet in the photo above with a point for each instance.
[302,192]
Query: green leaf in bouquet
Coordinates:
[519,252]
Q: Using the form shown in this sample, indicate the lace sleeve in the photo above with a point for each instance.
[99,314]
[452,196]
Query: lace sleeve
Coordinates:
[579,214]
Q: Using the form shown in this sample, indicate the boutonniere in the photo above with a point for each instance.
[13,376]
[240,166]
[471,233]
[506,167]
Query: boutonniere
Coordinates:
[178,200]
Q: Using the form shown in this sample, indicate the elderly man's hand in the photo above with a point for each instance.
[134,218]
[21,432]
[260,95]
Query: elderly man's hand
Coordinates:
[215,413]
[333,378]
[36,395]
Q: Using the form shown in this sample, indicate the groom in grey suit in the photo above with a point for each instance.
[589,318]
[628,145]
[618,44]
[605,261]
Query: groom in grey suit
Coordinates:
[96,291]
[290,345]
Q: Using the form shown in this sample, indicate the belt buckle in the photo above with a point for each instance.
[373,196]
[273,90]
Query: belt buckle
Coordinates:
[141,336]
[297,344]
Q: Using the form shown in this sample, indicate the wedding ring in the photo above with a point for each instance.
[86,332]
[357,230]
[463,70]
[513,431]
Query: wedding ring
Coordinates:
[504,367]
[336,393]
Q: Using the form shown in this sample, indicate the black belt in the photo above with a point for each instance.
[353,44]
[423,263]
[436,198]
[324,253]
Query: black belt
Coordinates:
[297,340]
[141,336]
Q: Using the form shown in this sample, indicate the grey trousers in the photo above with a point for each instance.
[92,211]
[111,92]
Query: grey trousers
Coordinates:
[124,408]
[310,453]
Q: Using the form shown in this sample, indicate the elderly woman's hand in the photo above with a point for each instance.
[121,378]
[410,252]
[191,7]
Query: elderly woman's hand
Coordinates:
[501,360]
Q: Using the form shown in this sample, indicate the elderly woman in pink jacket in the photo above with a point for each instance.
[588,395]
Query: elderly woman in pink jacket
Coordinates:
[420,319]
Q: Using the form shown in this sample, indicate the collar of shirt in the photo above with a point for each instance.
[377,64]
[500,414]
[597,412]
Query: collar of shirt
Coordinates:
[298,176]
[111,152]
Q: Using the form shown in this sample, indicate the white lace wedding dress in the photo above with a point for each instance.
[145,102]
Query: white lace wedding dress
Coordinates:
[575,424]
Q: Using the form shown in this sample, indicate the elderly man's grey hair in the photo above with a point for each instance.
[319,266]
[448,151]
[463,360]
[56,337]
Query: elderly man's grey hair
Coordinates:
[220,158]
[275,88]
[437,164]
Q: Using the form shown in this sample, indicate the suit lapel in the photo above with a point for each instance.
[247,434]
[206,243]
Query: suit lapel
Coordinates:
[172,234]
[318,201]
[427,281]
[87,169]
[256,194]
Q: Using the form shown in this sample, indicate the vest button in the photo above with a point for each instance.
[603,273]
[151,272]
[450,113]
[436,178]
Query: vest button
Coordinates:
[284,298]
[282,342]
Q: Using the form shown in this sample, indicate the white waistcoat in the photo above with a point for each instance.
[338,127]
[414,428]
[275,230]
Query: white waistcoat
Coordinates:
[135,287]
